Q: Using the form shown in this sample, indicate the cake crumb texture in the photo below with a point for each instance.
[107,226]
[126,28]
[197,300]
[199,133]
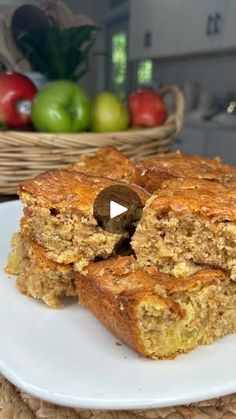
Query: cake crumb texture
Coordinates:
[39,277]
[188,224]
[59,216]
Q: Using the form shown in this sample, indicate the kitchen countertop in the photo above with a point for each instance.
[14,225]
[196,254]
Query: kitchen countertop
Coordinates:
[202,123]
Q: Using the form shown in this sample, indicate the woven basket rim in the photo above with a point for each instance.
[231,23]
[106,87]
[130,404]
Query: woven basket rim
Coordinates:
[24,155]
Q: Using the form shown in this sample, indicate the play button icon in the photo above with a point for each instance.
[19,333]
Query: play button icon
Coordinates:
[117,209]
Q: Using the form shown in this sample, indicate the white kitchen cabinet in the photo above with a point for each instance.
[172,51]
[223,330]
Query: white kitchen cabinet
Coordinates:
[154,28]
[168,28]
[229,28]
[207,26]
[190,140]
[202,25]
[222,143]
[196,25]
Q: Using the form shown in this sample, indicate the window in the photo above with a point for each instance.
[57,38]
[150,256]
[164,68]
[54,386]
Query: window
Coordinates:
[144,72]
[119,63]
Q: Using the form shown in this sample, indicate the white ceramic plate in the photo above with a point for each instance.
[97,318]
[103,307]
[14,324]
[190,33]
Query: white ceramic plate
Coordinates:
[67,357]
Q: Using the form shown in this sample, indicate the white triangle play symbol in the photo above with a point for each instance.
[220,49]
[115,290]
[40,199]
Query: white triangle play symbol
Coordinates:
[116,209]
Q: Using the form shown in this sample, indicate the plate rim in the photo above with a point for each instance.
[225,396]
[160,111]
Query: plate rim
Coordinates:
[101,403]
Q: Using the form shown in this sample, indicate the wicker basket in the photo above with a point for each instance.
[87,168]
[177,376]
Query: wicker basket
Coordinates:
[25,154]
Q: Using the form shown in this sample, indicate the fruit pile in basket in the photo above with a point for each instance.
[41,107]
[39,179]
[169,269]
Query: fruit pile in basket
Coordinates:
[63,106]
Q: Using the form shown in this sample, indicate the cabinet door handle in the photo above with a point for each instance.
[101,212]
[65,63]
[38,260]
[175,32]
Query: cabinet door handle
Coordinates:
[147,39]
[217,21]
[209,28]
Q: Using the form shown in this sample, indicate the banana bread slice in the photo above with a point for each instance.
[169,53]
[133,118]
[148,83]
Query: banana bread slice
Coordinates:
[154,314]
[188,224]
[37,276]
[108,162]
[151,173]
[59,216]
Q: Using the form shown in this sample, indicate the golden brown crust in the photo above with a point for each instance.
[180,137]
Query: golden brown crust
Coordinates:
[213,200]
[199,279]
[69,190]
[108,162]
[131,277]
[151,173]
[118,311]
[122,288]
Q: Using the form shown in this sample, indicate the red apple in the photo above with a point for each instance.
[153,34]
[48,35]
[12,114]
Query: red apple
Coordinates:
[16,94]
[147,109]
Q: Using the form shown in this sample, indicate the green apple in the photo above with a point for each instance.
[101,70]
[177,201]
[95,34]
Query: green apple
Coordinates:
[109,114]
[61,106]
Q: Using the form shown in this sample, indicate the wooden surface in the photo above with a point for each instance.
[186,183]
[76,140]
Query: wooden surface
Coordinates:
[15,404]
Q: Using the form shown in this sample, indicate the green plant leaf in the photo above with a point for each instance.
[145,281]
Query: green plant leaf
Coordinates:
[56,53]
